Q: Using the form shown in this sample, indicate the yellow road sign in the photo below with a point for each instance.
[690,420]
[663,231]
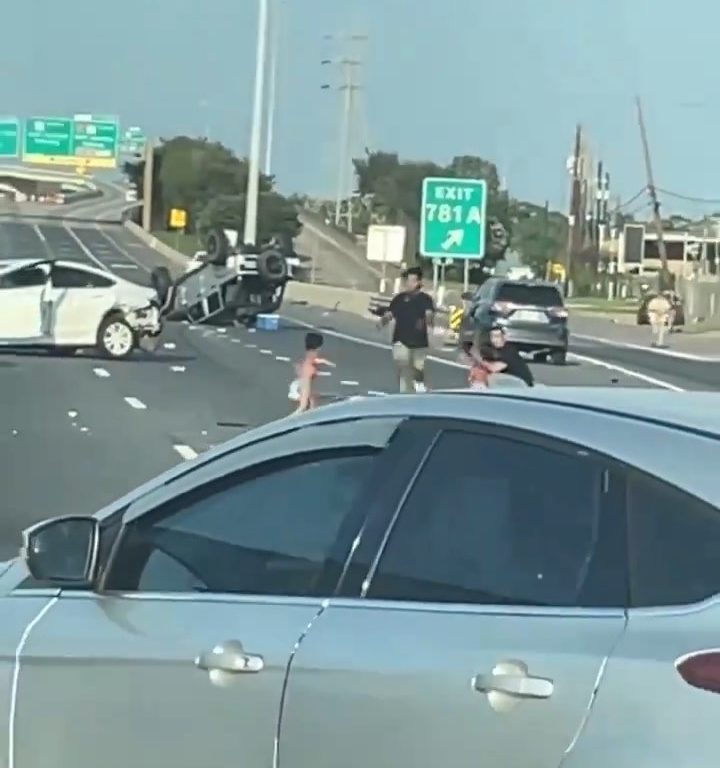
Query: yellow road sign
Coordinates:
[178,218]
[456,317]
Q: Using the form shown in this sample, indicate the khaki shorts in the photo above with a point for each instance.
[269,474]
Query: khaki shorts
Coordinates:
[405,357]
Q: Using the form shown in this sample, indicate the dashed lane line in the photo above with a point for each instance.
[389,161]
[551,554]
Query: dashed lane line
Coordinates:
[185,451]
[101,373]
[349,383]
[282,359]
[133,402]
[654,350]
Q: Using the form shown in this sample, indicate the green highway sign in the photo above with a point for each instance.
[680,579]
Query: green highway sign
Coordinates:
[133,141]
[9,137]
[453,217]
[82,140]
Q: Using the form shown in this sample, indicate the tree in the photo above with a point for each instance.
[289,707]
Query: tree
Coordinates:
[208,181]
[538,234]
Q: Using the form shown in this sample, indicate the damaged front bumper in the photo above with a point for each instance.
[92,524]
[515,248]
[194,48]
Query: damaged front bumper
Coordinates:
[145,321]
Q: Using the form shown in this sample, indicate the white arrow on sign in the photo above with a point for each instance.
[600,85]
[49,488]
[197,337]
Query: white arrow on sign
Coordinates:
[454,238]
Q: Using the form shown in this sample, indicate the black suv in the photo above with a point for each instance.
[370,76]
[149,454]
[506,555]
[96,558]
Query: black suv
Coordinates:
[532,313]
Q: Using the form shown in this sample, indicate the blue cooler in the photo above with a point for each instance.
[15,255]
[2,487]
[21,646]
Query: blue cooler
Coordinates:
[268,322]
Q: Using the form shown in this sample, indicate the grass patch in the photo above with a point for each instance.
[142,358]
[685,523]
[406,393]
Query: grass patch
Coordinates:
[186,244]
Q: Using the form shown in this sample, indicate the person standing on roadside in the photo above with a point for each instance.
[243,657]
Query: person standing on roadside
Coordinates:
[413,311]
[659,311]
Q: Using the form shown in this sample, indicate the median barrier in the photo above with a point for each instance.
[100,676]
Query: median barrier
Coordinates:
[157,245]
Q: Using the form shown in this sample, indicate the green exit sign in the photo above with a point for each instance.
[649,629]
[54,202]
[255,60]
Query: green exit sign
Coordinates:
[9,137]
[453,218]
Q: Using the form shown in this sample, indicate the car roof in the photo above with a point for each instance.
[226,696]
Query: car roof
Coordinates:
[685,411]
[527,282]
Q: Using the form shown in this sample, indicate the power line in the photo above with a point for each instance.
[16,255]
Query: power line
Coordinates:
[689,198]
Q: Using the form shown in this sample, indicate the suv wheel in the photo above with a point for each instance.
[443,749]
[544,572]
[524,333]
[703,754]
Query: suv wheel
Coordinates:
[558,356]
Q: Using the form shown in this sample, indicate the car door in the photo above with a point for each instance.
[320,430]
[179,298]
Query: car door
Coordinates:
[23,307]
[479,631]
[179,658]
[79,300]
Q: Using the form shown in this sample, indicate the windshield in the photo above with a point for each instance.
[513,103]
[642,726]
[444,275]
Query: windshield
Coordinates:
[535,295]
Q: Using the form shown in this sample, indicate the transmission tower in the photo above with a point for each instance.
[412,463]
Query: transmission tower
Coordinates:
[349,62]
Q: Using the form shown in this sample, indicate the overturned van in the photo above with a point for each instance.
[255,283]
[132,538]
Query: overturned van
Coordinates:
[225,284]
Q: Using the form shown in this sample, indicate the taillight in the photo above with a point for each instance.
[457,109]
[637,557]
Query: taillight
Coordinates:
[559,312]
[503,307]
[701,670]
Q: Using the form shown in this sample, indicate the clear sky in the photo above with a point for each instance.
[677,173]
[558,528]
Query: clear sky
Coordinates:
[505,80]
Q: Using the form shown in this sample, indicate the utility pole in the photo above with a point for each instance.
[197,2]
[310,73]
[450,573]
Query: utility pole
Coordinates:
[253,184]
[574,213]
[349,89]
[148,175]
[665,279]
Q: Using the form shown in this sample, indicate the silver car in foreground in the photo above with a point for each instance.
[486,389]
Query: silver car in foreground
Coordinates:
[525,579]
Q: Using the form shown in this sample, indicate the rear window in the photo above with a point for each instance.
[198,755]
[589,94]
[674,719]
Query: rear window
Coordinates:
[535,295]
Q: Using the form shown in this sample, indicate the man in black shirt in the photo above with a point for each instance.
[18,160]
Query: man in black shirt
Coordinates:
[503,352]
[413,312]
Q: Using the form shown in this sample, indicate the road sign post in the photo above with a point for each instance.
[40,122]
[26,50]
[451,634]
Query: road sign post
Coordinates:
[453,219]
[83,140]
[9,137]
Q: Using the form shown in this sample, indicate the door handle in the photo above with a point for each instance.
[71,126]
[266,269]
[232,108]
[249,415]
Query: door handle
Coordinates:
[513,679]
[229,657]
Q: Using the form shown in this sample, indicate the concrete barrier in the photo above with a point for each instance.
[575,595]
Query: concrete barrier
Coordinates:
[173,256]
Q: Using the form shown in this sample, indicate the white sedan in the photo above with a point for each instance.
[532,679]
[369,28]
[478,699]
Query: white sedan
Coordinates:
[66,305]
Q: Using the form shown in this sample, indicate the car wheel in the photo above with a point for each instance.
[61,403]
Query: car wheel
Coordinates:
[116,339]
[558,356]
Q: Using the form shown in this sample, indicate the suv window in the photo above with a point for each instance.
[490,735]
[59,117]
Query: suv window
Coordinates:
[496,521]
[268,533]
[28,277]
[674,545]
[67,277]
[533,295]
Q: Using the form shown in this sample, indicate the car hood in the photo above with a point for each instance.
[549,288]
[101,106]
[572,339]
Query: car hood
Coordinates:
[134,296]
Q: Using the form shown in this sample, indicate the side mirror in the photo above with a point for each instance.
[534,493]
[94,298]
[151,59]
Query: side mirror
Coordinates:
[63,550]
[467,296]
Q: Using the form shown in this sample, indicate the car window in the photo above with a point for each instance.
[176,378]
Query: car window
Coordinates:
[67,277]
[493,520]
[674,545]
[28,277]
[535,295]
[270,533]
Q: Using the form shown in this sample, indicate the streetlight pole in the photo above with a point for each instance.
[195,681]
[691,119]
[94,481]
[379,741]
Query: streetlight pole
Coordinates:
[253,184]
[272,94]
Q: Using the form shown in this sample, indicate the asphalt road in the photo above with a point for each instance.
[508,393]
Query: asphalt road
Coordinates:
[77,432]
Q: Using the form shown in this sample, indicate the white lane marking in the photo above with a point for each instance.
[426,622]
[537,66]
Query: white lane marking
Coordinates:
[84,248]
[73,414]
[187,453]
[643,348]
[376,392]
[169,345]
[251,346]
[16,677]
[266,351]
[221,330]
[39,233]
[120,249]
[282,358]
[123,266]
[324,373]
[581,358]
[627,372]
[177,368]
[252,330]
[133,402]
[101,373]
[236,341]
[347,383]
